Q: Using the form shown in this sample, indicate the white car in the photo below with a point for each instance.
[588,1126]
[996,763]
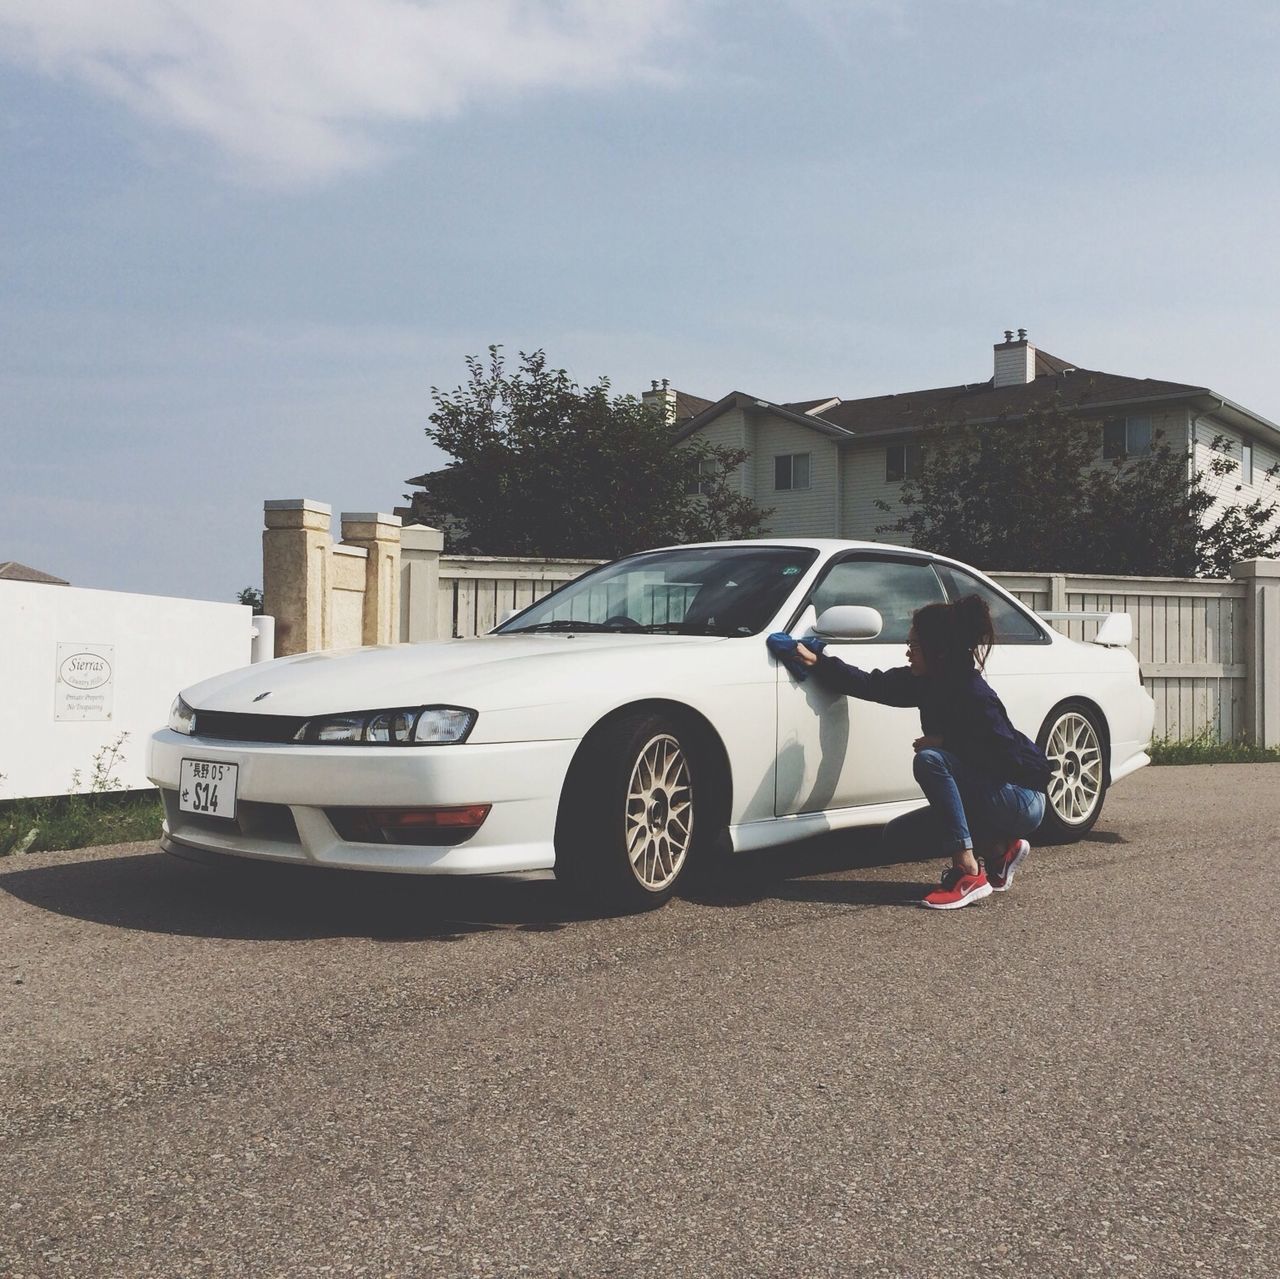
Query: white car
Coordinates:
[626,725]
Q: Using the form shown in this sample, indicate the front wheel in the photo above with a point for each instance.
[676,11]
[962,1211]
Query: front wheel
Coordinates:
[627,816]
[1073,740]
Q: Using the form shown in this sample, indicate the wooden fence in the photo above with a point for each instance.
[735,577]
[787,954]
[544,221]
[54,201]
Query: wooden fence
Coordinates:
[1189,636]
[1209,649]
[1192,636]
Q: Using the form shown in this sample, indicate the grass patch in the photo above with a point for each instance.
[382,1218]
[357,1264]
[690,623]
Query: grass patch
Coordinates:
[78,821]
[1205,748]
[97,810]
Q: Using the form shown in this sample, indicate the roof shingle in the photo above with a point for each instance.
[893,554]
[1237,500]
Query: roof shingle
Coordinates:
[12,571]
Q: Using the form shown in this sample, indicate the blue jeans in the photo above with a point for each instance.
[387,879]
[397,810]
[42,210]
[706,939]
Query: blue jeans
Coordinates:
[962,805]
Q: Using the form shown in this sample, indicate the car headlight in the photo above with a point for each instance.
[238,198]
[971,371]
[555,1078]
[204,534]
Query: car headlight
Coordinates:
[182,719]
[404,726]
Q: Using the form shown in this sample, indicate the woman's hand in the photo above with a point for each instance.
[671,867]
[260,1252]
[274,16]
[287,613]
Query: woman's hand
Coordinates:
[927,744]
[808,657]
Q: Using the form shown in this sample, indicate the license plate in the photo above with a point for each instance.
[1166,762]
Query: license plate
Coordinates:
[207,788]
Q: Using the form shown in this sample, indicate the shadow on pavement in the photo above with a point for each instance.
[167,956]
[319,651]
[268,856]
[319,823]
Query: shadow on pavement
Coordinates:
[796,872]
[793,873]
[262,901]
[258,901]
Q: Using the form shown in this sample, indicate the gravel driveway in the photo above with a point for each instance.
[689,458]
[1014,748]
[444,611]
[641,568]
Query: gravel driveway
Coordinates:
[271,1072]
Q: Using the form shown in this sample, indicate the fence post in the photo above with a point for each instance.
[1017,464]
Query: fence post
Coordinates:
[1262,649]
[379,534]
[420,549]
[295,573]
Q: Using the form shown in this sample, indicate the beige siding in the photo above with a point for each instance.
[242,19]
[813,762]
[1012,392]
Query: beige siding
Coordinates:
[807,512]
[864,483]
[732,431]
[1224,487]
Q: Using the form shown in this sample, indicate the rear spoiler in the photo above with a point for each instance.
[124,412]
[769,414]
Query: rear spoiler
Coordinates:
[1116,630]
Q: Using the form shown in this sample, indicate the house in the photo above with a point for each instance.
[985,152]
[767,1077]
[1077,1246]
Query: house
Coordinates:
[822,464]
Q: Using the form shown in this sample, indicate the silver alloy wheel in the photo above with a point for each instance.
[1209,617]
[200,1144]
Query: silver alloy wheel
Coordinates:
[659,812]
[1075,788]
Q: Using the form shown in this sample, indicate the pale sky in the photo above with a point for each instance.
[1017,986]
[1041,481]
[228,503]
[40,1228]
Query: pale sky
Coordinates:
[239,242]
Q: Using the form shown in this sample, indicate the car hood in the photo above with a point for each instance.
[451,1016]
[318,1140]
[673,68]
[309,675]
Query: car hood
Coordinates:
[487,672]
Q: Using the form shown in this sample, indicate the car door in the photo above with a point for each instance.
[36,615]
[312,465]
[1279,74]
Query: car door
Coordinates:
[835,751]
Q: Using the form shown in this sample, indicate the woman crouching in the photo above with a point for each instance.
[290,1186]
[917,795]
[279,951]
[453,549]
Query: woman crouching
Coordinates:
[984,780]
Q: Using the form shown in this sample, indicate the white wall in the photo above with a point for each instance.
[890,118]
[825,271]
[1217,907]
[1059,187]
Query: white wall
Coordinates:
[154,646]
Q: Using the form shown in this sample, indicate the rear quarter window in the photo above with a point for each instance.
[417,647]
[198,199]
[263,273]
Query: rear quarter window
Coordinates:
[1011,624]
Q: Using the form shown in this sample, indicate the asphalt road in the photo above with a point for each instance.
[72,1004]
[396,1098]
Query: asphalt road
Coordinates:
[799,1073]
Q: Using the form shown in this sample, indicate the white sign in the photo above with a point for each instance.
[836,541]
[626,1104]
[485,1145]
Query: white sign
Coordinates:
[85,683]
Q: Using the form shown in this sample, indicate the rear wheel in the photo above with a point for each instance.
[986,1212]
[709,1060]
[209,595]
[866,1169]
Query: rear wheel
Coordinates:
[1073,740]
[627,817]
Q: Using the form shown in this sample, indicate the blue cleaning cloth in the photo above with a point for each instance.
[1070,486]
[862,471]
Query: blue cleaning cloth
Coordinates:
[783,647]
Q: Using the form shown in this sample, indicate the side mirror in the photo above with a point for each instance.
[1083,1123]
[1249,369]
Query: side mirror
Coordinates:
[849,622]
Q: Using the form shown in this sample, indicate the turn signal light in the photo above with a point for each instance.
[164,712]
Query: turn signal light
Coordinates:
[449,825]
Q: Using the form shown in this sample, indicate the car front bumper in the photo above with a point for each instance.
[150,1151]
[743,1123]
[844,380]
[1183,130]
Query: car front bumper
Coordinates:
[283,791]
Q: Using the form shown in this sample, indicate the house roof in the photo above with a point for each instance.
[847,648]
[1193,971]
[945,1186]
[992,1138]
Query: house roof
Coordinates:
[690,405]
[753,403]
[1076,388]
[12,571]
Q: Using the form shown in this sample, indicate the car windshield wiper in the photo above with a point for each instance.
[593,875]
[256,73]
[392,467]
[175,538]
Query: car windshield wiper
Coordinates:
[561,625]
[631,628]
[677,628]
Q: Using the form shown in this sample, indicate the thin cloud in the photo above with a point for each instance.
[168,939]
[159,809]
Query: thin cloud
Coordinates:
[293,91]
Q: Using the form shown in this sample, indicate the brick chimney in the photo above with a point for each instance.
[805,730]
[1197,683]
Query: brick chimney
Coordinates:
[663,398]
[1015,360]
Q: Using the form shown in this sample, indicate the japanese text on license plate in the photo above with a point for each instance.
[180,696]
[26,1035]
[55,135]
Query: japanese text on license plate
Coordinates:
[208,788]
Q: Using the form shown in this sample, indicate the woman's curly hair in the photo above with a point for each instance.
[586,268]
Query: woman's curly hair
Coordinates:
[955,636]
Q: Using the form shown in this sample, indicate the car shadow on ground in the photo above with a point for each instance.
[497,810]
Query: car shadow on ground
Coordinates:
[262,901]
[803,872]
[259,901]
[819,870]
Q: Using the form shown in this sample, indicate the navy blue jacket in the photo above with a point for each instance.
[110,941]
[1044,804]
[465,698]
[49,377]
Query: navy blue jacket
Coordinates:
[961,708]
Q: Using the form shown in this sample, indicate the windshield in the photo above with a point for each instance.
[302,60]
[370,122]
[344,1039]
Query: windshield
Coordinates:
[710,590]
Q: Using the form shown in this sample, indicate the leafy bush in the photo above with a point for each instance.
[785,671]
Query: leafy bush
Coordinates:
[1205,748]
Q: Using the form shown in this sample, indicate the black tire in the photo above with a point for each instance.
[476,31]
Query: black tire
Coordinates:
[630,813]
[1075,741]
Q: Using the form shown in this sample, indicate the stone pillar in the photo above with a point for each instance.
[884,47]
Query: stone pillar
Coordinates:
[1261,579]
[295,573]
[379,534]
[420,549]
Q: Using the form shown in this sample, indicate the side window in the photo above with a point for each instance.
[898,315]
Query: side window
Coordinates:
[895,587]
[1011,625]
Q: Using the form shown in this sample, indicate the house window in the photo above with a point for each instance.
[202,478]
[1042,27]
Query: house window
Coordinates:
[700,481]
[1246,463]
[1126,437]
[902,462]
[791,471]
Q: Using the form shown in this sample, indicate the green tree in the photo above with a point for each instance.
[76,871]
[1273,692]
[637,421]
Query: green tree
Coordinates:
[252,596]
[1033,494]
[543,466]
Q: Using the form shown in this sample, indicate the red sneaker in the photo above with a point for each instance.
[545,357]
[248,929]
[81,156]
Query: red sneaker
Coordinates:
[959,888]
[1000,875]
